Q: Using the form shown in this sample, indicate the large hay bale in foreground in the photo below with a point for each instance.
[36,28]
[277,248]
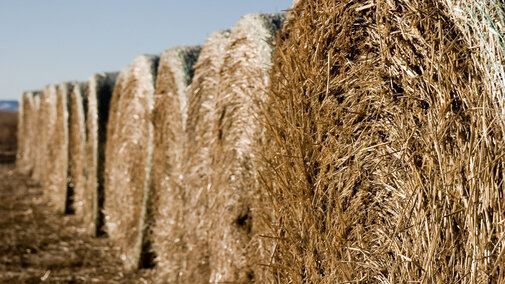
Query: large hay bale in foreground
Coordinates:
[234,182]
[76,148]
[101,86]
[26,132]
[175,72]
[127,186]
[56,173]
[387,157]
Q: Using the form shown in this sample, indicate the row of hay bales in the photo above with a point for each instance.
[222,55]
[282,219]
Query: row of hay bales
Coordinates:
[350,141]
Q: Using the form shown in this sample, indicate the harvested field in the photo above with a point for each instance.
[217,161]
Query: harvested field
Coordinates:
[127,185]
[386,157]
[76,149]
[40,246]
[101,86]
[342,142]
[243,82]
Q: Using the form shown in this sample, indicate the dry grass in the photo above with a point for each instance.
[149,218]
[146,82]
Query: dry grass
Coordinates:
[77,151]
[130,150]
[234,183]
[386,162]
[168,236]
[101,86]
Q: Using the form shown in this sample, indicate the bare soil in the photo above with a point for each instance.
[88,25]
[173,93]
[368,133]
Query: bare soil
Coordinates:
[38,245]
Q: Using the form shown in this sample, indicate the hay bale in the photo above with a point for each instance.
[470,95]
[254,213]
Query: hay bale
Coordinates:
[77,151]
[234,182]
[35,140]
[45,124]
[56,173]
[101,86]
[175,72]
[386,163]
[198,137]
[26,113]
[130,152]
[20,151]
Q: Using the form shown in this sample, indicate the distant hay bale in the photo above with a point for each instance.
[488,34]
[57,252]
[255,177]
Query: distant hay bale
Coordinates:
[198,137]
[25,133]
[175,72]
[20,151]
[77,151]
[130,151]
[46,123]
[101,86]
[35,140]
[242,86]
[386,163]
[56,173]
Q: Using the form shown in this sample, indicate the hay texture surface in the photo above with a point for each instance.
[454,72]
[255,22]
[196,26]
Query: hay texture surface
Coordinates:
[27,116]
[387,156]
[234,182]
[101,86]
[175,72]
[56,173]
[77,151]
[130,151]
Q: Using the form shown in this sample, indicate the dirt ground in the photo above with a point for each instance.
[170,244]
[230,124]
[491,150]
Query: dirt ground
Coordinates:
[40,246]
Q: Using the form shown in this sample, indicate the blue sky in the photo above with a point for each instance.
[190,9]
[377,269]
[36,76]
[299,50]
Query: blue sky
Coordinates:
[51,41]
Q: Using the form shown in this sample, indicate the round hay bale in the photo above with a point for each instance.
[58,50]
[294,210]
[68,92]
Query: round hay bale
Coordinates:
[77,151]
[35,140]
[20,151]
[45,125]
[175,72]
[198,137]
[101,86]
[26,112]
[386,163]
[126,189]
[56,173]
[47,122]
[243,82]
